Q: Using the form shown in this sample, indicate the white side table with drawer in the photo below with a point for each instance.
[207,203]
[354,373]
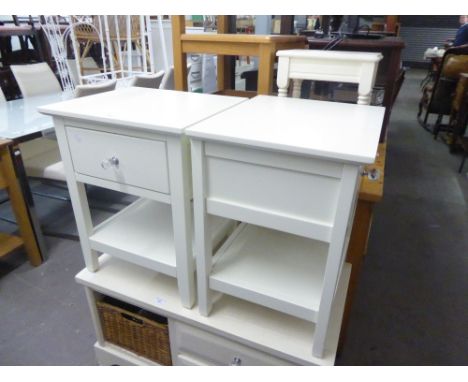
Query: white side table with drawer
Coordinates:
[289,170]
[131,140]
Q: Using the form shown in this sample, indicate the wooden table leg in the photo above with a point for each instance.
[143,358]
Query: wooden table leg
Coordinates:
[356,250]
[180,58]
[266,61]
[30,230]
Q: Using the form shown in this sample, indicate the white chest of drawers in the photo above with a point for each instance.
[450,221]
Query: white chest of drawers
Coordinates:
[289,170]
[131,140]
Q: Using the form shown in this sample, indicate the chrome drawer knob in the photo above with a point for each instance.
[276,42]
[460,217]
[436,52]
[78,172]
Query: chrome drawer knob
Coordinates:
[236,361]
[110,162]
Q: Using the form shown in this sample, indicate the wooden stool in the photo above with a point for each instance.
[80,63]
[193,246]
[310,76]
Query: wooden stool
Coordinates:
[9,182]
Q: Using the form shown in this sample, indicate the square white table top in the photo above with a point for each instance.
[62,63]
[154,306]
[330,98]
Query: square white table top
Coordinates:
[164,111]
[332,130]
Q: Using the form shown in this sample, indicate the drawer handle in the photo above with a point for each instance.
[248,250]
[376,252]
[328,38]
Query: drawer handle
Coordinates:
[236,361]
[110,162]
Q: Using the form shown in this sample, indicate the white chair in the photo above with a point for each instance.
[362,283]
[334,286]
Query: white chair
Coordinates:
[35,79]
[348,67]
[152,81]
[87,90]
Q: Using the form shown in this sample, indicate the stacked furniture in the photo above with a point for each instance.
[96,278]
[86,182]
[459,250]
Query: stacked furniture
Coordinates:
[274,291]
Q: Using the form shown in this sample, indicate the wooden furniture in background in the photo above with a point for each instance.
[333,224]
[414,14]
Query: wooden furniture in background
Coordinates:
[9,182]
[222,44]
[390,74]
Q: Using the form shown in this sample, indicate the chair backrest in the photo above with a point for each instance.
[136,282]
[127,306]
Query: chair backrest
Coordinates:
[168,80]
[35,79]
[88,66]
[152,81]
[2,96]
[348,67]
[87,90]
[454,62]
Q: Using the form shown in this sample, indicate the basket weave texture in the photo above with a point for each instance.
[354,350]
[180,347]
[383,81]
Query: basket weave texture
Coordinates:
[131,329]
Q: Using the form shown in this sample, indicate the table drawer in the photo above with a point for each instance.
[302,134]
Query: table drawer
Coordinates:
[119,158]
[193,346]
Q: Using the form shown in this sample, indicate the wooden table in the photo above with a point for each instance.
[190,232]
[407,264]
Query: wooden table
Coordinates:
[389,75]
[9,182]
[370,192]
[262,46]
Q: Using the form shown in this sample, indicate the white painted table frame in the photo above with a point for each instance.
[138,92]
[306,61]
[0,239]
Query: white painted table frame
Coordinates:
[213,164]
[349,67]
[179,198]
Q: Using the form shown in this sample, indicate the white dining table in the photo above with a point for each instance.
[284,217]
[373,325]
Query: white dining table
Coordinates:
[20,121]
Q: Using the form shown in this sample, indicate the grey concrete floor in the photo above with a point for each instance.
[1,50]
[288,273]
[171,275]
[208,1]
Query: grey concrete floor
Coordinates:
[411,306]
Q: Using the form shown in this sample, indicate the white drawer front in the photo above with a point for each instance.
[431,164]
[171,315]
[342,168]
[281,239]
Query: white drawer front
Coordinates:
[122,159]
[193,346]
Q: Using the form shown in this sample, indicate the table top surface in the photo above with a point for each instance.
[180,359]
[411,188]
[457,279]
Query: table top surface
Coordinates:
[243,38]
[20,117]
[384,42]
[164,111]
[332,130]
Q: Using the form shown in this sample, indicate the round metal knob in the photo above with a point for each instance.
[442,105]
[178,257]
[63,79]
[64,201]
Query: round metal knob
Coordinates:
[236,361]
[110,162]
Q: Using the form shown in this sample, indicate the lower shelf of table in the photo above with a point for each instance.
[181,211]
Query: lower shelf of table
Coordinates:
[143,234]
[276,269]
[261,328]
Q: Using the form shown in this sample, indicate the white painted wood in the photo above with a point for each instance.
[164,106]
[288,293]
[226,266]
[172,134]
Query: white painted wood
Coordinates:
[252,325]
[132,141]
[274,159]
[333,66]
[138,162]
[125,188]
[328,130]
[111,355]
[78,197]
[275,197]
[202,347]
[91,298]
[275,269]
[338,246]
[179,167]
[203,246]
[162,111]
[143,233]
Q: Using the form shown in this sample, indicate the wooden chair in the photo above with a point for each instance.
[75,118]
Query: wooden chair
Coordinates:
[9,182]
[349,67]
[459,119]
[437,96]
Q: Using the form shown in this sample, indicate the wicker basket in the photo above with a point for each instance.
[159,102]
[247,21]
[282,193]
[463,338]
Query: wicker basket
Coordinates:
[134,329]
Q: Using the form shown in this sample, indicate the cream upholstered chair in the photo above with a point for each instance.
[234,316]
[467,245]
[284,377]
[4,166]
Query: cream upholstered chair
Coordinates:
[168,80]
[89,67]
[87,90]
[348,67]
[152,81]
[35,79]
[2,96]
